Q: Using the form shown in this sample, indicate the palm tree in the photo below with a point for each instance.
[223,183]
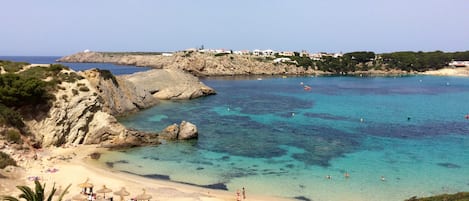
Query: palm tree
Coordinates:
[37,195]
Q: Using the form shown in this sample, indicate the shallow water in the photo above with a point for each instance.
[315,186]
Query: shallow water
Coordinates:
[274,138]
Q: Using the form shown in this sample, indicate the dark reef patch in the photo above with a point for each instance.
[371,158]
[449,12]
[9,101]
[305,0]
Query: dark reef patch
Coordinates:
[427,129]
[157,176]
[217,186]
[109,164]
[449,165]
[302,198]
[326,116]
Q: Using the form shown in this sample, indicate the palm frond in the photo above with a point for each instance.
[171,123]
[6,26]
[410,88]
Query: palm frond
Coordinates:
[8,198]
[63,193]
[27,194]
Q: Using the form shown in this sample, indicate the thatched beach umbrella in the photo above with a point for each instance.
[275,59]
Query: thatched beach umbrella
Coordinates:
[104,190]
[86,185]
[121,193]
[143,196]
[80,197]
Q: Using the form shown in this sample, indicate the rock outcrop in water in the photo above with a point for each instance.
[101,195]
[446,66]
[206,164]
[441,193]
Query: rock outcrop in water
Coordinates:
[184,131]
[170,84]
[195,63]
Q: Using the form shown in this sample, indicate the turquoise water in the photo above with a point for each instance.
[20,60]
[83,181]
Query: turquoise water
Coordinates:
[274,138]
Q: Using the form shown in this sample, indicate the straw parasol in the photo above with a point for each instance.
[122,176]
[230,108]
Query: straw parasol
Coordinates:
[80,197]
[121,193]
[86,184]
[104,190]
[143,196]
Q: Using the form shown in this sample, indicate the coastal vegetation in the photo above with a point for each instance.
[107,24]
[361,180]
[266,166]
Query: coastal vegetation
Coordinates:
[38,194]
[462,196]
[12,67]
[364,61]
[6,160]
[23,89]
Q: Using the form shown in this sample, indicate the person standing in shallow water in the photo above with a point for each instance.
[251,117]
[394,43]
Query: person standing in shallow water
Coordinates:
[238,195]
[346,175]
[244,193]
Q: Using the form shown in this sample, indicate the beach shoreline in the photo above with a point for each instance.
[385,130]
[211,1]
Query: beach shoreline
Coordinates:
[74,165]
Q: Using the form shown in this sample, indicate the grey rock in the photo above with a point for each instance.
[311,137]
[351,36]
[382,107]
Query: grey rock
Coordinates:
[187,131]
[170,133]
[170,84]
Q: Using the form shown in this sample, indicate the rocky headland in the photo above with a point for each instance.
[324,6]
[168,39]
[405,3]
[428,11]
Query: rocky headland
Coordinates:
[195,63]
[82,110]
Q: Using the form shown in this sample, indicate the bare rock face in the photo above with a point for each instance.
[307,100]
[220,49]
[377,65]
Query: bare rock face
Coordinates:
[196,63]
[187,131]
[119,95]
[170,84]
[76,117]
[184,131]
[170,132]
[80,115]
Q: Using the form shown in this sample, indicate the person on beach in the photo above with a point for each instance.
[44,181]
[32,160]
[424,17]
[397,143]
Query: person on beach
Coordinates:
[244,193]
[238,195]
[346,175]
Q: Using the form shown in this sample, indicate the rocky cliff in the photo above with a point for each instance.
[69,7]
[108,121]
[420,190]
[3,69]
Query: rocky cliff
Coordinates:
[82,111]
[196,63]
[119,96]
[79,114]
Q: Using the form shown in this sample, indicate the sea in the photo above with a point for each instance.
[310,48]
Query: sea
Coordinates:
[343,139]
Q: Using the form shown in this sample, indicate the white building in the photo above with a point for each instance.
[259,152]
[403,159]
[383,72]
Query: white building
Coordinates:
[268,52]
[286,54]
[256,52]
[459,63]
[282,60]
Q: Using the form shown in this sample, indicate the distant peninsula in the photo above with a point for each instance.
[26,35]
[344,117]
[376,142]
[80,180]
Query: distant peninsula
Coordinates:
[202,62]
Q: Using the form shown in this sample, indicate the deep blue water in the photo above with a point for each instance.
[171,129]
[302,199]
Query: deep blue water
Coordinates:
[275,138]
[115,69]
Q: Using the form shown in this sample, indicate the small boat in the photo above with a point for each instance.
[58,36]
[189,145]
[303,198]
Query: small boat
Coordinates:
[307,88]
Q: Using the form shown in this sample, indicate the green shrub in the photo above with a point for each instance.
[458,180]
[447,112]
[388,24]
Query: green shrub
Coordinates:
[106,75]
[69,77]
[6,160]
[74,92]
[84,88]
[221,54]
[462,196]
[56,68]
[12,67]
[10,117]
[13,136]
[16,90]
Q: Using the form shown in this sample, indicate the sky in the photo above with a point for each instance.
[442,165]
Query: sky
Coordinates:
[63,27]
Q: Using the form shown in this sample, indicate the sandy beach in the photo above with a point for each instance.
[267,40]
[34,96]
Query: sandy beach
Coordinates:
[461,72]
[74,165]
